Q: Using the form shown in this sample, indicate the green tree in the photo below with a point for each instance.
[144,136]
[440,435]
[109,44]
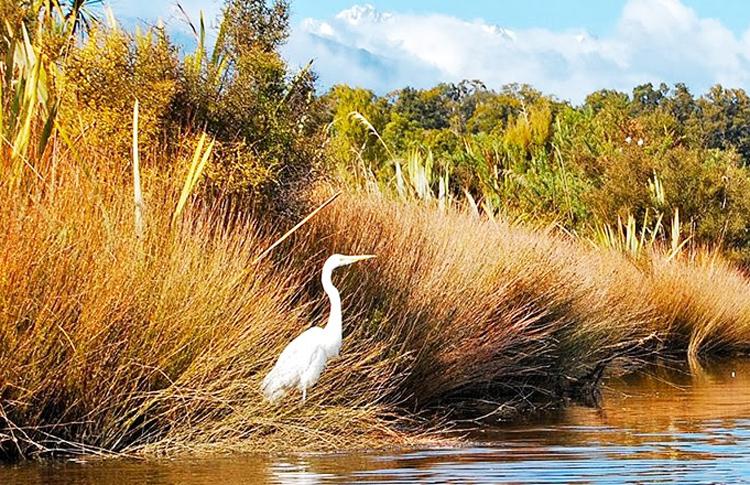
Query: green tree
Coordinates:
[351,109]
[263,117]
[428,109]
[725,120]
[646,98]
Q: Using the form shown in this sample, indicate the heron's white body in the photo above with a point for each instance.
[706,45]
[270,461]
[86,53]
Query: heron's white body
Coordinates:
[302,361]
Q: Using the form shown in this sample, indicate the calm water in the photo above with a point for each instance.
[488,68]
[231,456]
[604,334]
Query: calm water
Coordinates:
[666,426]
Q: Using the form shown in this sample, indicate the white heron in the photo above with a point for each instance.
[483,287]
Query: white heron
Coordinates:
[303,360]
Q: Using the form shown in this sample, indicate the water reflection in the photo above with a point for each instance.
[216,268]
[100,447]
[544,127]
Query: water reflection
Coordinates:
[664,425]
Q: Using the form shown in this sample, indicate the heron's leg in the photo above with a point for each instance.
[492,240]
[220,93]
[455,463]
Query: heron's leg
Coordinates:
[304,394]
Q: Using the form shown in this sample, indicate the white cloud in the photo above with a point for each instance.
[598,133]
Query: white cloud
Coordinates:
[654,41]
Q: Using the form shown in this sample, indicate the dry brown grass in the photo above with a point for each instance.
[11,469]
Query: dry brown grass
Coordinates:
[111,343]
[488,311]
[479,310]
[704,302]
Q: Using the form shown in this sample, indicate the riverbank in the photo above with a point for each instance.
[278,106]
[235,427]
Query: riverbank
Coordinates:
[115,343]
[662,422]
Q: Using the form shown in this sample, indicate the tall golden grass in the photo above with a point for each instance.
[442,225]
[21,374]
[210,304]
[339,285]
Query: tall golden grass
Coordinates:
[704,303]
[115,343]
[481,311]
[689,298]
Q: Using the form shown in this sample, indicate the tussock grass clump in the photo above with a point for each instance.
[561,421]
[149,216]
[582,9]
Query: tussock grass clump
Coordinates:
[114,343]
[480,310]
[704,301]
[485,311]
[111,343]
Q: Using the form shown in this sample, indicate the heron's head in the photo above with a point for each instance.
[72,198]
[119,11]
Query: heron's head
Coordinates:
[338,260]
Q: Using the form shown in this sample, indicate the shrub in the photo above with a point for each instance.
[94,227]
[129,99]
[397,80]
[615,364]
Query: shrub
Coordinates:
[101,81]
[263,117]
[264,120]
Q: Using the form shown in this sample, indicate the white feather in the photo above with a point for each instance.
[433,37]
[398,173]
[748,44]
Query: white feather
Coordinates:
[302,358]
[302,361]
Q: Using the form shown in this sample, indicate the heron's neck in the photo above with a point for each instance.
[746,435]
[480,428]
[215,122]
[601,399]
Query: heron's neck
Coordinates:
[333,329]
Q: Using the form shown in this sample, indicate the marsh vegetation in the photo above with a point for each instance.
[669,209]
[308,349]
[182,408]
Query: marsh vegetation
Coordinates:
[523,244]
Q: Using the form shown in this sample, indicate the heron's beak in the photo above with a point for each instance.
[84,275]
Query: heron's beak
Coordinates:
[354,259]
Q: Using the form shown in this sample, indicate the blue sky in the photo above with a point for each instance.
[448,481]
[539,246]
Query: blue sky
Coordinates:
[564,48]
[597,16]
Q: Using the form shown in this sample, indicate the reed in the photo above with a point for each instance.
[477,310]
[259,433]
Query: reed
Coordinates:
[115,343]
[480,310]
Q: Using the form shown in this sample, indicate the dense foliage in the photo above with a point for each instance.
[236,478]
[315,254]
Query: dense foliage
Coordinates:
[658,156]
[659,153]
[241,92]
